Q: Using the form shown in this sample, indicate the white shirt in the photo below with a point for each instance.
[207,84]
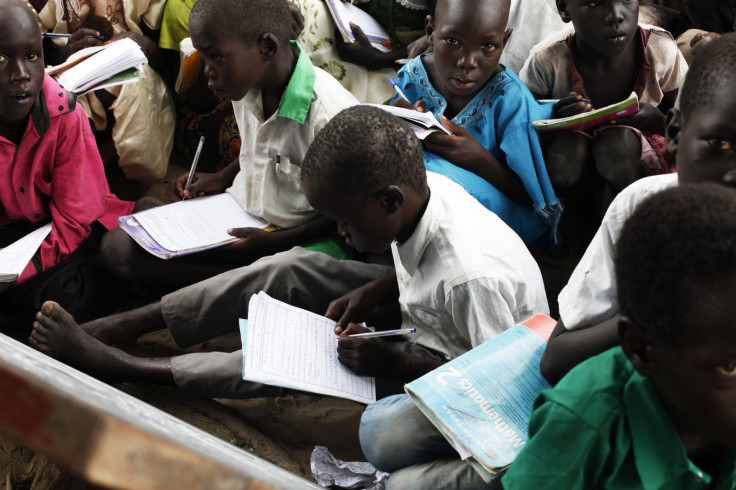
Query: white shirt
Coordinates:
[269,182]
[464,276]
[590,296]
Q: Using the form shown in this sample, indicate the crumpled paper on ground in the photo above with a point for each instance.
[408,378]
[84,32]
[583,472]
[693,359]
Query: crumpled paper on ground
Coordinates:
[329,471]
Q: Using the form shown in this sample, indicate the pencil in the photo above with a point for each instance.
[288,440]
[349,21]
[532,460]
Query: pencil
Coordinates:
[61,34]
[194,163]
[382,333]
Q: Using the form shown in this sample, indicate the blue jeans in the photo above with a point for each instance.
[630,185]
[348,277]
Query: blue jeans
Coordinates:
[397,438]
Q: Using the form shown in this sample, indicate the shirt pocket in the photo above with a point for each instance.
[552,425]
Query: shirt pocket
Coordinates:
[289,181]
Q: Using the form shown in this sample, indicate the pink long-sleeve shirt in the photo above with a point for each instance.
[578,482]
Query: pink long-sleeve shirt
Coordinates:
[56,173]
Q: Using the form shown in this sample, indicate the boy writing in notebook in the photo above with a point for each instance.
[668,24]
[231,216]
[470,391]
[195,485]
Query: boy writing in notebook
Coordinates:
[281,102]
[461,275]
[50,171]
[494,152]
[656,412]
[701,133]
[607,57]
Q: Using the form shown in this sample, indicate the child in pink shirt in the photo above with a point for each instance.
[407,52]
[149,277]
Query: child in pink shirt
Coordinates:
[50,168]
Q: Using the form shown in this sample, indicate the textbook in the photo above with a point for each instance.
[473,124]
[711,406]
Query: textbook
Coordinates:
[481,400]
[97,67]
[294,348]
[422,123]
[189,226]
[15,257]
[189,68]
[592,119]
[345,13]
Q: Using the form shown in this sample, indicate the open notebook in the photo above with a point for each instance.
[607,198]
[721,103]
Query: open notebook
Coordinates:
[15,257]
[422,123]
[189,226]
[98,67]
[345,13]
[294,348]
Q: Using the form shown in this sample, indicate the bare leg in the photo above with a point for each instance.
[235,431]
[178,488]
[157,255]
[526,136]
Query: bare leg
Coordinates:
[566,154]
[127,260]
[122,328]
[56,334]
[617,152]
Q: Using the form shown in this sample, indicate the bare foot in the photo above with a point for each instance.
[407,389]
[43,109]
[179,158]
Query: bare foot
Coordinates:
[56,334]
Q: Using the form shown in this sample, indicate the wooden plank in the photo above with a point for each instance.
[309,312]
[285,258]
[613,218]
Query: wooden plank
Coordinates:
[115,440]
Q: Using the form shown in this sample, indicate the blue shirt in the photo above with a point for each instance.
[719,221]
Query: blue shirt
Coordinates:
[500,117]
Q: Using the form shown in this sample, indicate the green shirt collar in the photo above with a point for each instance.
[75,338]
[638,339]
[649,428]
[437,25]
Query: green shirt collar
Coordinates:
[297,98]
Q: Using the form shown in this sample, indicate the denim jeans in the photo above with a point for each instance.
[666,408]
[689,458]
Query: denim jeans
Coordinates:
[397,438]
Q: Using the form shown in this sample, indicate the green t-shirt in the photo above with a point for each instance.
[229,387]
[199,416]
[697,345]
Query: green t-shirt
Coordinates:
[604,426]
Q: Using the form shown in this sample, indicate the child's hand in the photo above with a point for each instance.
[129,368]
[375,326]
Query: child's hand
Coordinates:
[461,148]
[351,307]
[203,184]
[571,105]
[419,106]
[700,40]
[253,242]
[149,48]
[361,51]
[648,119]
[83,38]
[366,357]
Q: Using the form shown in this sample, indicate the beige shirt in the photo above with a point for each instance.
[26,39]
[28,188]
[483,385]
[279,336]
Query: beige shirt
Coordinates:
[464,276]
[269,182]
[547,70]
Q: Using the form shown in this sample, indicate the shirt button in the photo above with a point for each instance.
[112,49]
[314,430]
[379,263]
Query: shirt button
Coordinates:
[22,189]
[61,94]
[38,216]
[61,107]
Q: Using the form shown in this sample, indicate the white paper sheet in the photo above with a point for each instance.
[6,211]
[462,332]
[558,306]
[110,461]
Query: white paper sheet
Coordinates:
[294,348]
[15,257]
[196,223]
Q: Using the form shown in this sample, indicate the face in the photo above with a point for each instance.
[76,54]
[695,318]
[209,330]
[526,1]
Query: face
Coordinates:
[705,143]
[467,46]
[366,225]
[231,65]
[605,27]
[21,67]
[696,377]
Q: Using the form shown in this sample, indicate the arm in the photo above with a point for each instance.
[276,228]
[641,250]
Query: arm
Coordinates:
[208,183]
[361,52]
[256,243]
[78,191]
[568,348]
[465,151]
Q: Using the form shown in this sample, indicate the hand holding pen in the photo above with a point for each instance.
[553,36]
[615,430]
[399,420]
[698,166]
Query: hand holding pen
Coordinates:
[403,100]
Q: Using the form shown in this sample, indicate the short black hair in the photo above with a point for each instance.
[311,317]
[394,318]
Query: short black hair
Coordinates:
[711,76]
[676,244]
[361,150]
[248,19]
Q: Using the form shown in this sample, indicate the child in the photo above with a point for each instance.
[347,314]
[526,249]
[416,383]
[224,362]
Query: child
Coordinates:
[606,58]
[51,171]
[657,412]
[702,136]
[495,153]
[462,276]
[281,102]
[139,117]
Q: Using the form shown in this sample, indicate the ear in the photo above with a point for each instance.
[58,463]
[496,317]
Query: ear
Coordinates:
[637,345]
[506,36]
[269,45]
[429,26]
[562,10]
[673,129]
[392,197]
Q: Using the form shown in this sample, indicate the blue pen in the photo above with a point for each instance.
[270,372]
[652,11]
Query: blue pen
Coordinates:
[398,89]
[61,34]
